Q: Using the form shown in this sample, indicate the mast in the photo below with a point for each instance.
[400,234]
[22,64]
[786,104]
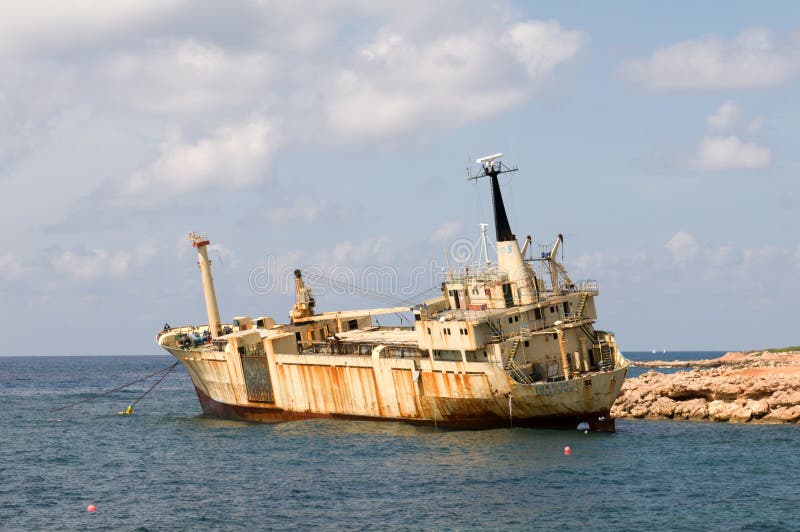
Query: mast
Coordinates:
[201,242]
[509,255]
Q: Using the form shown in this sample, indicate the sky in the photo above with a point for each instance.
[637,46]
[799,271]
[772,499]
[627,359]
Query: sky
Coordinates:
[659,139]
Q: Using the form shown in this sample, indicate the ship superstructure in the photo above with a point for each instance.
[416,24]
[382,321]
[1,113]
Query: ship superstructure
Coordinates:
[511,343]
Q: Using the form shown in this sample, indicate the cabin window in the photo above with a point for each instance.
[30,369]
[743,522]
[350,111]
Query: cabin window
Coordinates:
[555,336]
[527,343]
[552,309]
[417,317]
[429,330]
[566,307]
[510,319]
[516,318]
[353,324]
[537,312]
[447,354]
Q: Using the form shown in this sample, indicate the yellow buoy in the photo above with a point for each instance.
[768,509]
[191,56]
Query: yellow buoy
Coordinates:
[127,411]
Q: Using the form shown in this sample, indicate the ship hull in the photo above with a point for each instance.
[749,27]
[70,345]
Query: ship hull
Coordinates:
[598,421]
[446,394]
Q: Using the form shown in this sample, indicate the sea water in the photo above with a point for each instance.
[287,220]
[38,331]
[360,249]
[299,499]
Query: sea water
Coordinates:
[168,467]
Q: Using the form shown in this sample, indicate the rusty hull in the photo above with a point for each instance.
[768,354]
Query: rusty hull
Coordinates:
[471,395]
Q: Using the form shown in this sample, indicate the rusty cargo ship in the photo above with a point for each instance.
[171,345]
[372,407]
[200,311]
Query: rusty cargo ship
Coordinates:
[506,343]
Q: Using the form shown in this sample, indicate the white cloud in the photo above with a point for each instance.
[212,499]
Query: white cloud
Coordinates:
[445,232]
[10,266]
[93,263]
[372,250]
[232,157]
[726,116]
[684,248]
[304,209]
[186,77]
[144,252]
[731,152]
[401,83]
[540,46]
[89,264]
[751,60]
[53,26]
[723,148]
[755,125]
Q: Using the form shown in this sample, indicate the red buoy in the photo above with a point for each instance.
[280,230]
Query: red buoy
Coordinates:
[567,451]
[91,508]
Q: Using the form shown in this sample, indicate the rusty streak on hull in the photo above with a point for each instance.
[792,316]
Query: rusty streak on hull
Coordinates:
[599,421]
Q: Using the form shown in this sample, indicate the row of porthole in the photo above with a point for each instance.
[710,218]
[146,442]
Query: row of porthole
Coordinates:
[447,331]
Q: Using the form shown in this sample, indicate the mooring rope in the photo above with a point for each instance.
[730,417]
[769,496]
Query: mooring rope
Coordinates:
[118,388]
[150,389]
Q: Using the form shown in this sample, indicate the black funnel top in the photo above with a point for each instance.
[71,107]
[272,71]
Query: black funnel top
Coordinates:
[501,225]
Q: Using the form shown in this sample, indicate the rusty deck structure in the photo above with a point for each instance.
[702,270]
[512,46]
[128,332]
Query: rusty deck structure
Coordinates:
[502,345]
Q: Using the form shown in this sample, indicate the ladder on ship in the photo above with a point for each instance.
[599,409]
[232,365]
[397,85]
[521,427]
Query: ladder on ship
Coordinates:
[606,362]
[512,368]
[511,354]
[581,306]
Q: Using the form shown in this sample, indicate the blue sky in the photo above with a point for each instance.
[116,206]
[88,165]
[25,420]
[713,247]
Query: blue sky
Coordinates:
[659,139]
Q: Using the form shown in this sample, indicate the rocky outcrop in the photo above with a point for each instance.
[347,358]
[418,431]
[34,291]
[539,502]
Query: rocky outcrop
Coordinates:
[755,387]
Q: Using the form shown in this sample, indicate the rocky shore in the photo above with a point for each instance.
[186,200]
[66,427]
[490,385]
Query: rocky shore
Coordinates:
[740,387]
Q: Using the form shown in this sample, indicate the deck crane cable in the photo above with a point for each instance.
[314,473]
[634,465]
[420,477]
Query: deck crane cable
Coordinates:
[334,283]
[118,388]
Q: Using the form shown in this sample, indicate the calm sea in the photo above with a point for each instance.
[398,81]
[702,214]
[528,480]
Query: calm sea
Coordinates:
[167,467]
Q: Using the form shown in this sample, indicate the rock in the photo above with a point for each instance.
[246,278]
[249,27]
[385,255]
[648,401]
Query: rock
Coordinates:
[663,407]
[738,388]
[719,411]
[740,414]
[695,409]
[759,408]
[726,391]
[790,414]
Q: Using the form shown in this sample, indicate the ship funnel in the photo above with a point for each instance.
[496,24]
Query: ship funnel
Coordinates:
[201,242]
[509,255]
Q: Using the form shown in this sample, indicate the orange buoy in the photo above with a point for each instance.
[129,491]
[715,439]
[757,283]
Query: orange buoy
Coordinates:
[91,508]
[567,451]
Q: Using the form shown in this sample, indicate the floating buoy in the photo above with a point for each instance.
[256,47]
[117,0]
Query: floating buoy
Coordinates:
[567,451]
[91,508]
[128,411]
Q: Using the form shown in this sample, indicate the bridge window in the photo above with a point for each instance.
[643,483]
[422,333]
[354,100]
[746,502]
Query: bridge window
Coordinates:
[537,312]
